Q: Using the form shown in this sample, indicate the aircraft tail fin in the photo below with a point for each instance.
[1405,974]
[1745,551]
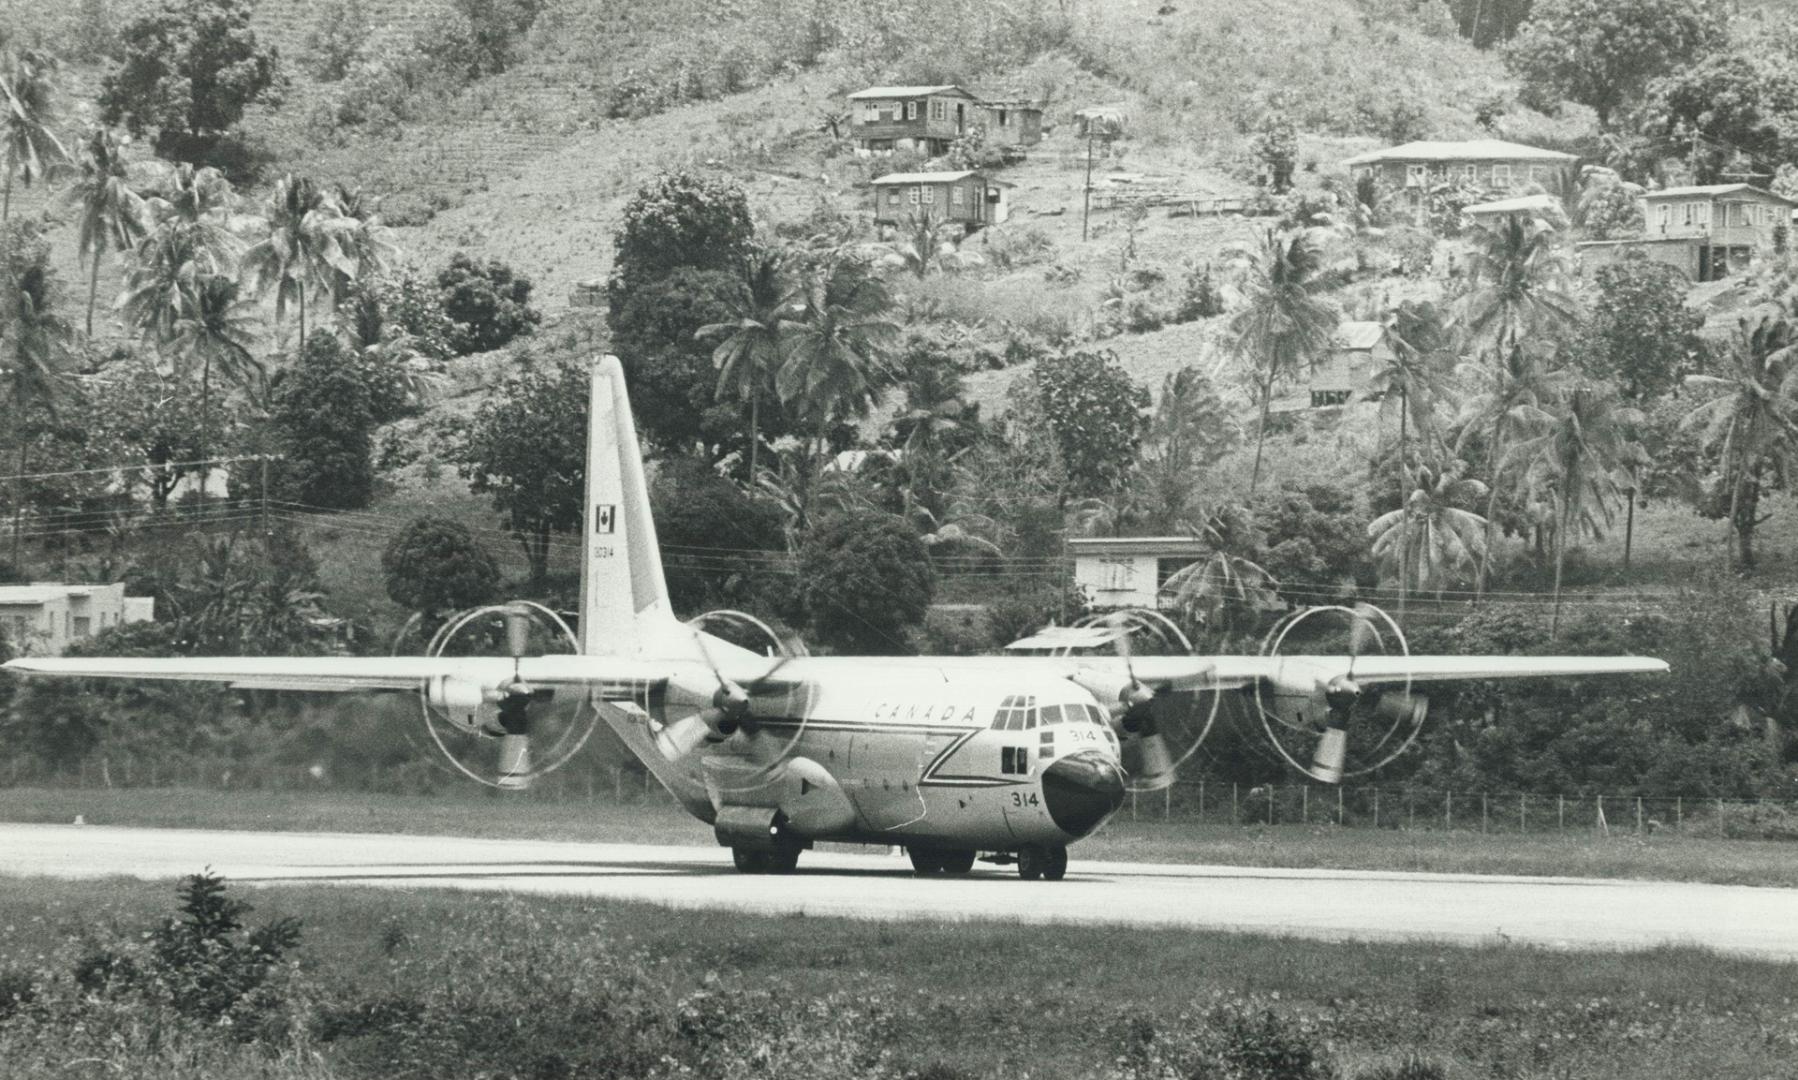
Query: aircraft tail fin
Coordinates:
[624,606]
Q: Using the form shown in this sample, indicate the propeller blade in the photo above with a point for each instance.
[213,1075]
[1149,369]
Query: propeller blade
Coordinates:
[1340,696]
[515,762]
[518,631]
[515,745]
[1332,752]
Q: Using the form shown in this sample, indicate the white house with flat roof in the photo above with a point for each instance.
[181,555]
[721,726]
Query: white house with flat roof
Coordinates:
[45,619]
[1127,571]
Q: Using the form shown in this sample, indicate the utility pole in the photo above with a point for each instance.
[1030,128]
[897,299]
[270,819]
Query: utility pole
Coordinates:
[1087,209]
[264,470]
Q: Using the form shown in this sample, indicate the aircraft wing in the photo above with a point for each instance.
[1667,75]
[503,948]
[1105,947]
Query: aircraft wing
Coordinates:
[1236,672]
[610,677]
[1377,670]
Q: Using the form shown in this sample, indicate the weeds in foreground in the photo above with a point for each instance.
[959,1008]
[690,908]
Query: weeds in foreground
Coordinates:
[414,986]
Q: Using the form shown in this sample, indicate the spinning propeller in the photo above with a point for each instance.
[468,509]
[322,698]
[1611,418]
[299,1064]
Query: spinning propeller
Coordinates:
[1322,719]
[731,715]
[457,709]
[1142,715]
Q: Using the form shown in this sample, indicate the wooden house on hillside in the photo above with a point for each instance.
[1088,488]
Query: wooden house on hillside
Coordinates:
[1413,169]
[1707,232]
[1358,350]
[914,119]
[969,198]
[1011,121]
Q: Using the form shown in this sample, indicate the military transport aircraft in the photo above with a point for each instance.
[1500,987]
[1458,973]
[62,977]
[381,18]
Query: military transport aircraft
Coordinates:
[1010,757]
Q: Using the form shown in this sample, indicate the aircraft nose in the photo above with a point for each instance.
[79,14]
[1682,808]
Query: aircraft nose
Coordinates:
[1081,791]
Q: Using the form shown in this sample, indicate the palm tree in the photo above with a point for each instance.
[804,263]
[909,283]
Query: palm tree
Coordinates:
[304,249]
[1518,285]
[112,214]
[1575,461]
[193,218]
[1752,422]
[935,426]
[34,379]
[762,307]
[1213,589]
[1513,402]
[921,245]
[365,241]
[1433,536]
[836,363]
[1414,377]
[216,332]
[32,149]
[192,238]
[1283,326]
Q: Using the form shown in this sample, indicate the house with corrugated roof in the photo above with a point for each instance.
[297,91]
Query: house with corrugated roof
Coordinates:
[1538,207]
[1358,350]
[914,119]
[1414,169]
[969,198]
[1707,232]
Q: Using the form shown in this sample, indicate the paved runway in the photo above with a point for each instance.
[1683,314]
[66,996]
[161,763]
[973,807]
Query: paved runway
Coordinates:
[1331,904]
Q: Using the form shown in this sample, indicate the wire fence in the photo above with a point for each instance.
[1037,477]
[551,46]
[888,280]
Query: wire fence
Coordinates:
[1190,802]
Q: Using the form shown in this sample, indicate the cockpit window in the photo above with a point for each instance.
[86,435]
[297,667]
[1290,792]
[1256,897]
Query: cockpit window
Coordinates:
[1051,715]
[1098,716]
[1016,713]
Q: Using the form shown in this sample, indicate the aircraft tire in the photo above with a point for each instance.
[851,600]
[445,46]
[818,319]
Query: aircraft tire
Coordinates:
[750,861]
[956,862]
[783,861]
[1031,863]
[1055,867]
[925,862]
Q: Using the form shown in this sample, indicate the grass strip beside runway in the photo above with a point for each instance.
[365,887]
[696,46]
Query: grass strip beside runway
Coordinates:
[397,984]
[1664,856]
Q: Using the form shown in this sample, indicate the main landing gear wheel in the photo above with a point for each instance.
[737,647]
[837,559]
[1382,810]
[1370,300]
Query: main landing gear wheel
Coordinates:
[1047,863]
[926,861]
[763,861]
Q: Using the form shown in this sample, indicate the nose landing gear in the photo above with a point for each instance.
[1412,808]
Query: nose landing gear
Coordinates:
[1050,863]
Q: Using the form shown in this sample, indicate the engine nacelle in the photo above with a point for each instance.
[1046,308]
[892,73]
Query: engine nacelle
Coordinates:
[468,706]
[1113,692]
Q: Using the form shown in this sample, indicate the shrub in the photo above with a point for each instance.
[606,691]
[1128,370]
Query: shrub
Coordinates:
[206,965]
[487,306]
[1096,411]
[1199,296]
[436,565]
[335,42]
[868,580]
[479,37]
[18,988]
[323,420]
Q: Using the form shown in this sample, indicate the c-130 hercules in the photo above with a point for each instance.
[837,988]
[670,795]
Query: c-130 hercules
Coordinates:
[1009,757]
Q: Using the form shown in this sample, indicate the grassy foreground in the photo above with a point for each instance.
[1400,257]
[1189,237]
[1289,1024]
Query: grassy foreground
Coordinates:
[1664,856]
[424,984]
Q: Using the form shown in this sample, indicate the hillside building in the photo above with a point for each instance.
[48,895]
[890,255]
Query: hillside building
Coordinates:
[1011,121]
[969,198]
[1539,207]
[912,119]
[1708,232]
[45,619]
[1411,170]
[1359,350]
[1128,571]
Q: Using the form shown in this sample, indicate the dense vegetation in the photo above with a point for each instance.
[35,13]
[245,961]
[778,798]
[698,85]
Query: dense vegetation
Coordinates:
[823,455]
